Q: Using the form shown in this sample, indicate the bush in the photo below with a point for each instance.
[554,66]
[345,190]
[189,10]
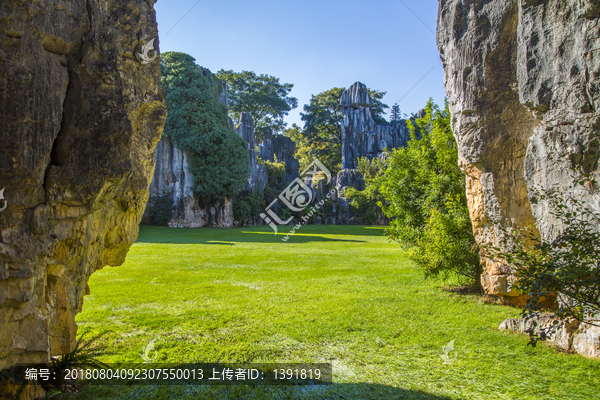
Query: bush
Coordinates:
[424,194]
[160,210]
[567,267]
[366,204]
[247,207]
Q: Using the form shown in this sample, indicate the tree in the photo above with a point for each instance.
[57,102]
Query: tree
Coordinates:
[262,96]
[395,114]
[198,124]
[323,125]
[424,195]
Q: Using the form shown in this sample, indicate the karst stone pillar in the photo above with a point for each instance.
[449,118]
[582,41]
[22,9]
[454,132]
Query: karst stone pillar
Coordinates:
[523,81]
[80,117]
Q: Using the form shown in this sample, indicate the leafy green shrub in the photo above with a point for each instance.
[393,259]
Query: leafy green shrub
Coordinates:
[160,210]
[276,179]
[424,194]
[247,207]
[567,266]
[198,124]
[366,203]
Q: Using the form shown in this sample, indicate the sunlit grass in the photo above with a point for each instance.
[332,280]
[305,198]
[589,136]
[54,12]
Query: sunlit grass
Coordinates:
[338,294]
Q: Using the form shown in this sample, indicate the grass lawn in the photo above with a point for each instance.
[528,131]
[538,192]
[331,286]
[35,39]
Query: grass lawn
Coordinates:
[338,294]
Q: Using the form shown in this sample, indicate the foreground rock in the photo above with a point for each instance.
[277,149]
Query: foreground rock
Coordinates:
[581,338]
[81,117]
[524,89]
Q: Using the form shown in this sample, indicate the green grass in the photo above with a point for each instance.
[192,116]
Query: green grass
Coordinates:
[338,294]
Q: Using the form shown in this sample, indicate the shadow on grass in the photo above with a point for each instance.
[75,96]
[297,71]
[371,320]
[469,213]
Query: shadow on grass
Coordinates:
[353,391]
[261,234]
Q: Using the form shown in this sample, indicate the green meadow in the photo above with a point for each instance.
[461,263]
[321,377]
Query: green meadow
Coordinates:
[343,295]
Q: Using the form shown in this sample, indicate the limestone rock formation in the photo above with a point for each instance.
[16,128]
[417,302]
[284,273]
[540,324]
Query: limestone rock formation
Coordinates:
[523,81]
[361,136]
[280,148]
[173,178]
[573,336]
[81,116]
[257,180]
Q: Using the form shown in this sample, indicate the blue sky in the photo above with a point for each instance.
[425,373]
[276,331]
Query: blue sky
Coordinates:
[316,45]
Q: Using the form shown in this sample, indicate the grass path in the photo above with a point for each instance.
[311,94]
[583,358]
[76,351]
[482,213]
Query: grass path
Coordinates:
[339,294]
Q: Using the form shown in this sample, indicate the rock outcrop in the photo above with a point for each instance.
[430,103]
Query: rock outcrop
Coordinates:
[257,180]
[581,338]
[81,116]
[173,178]
[523,81]
[280,148]
[361,136]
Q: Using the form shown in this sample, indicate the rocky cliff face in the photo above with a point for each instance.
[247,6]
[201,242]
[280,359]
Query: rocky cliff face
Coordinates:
[173,178]
[81,117]
[523,80]
[280,148]
[257,179]
[361,136]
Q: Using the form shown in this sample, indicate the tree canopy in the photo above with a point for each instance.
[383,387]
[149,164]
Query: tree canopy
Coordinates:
[424,195]
[262,96]
[198,124]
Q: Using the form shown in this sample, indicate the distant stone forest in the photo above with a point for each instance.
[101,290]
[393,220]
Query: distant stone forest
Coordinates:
[361,135]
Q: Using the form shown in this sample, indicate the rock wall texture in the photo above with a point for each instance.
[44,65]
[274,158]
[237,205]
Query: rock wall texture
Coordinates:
[280,148]
[523,80]
[581,338]
[173,178]
[257,179]
[81,116]
[361,136]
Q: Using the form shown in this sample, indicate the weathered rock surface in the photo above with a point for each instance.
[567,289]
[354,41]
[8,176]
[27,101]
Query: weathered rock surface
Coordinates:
[361,136]
[581,338]
[280,148]
[522,78]
[80,119]
[257,180]
[173,178]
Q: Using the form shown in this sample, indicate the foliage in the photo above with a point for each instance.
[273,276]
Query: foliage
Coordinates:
[567,266]
[85,354]
[276,179]
[367,203]
[247,207]
[198,124]
[160,210]
[323,125]
[262,96]
[424,193]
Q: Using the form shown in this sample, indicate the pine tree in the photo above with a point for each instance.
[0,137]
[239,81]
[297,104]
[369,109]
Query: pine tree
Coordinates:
[395,114]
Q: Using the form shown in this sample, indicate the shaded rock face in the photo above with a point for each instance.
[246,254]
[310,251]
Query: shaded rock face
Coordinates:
[257,179]
[282,148]
[361,136]
[81,118]
[522,78]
